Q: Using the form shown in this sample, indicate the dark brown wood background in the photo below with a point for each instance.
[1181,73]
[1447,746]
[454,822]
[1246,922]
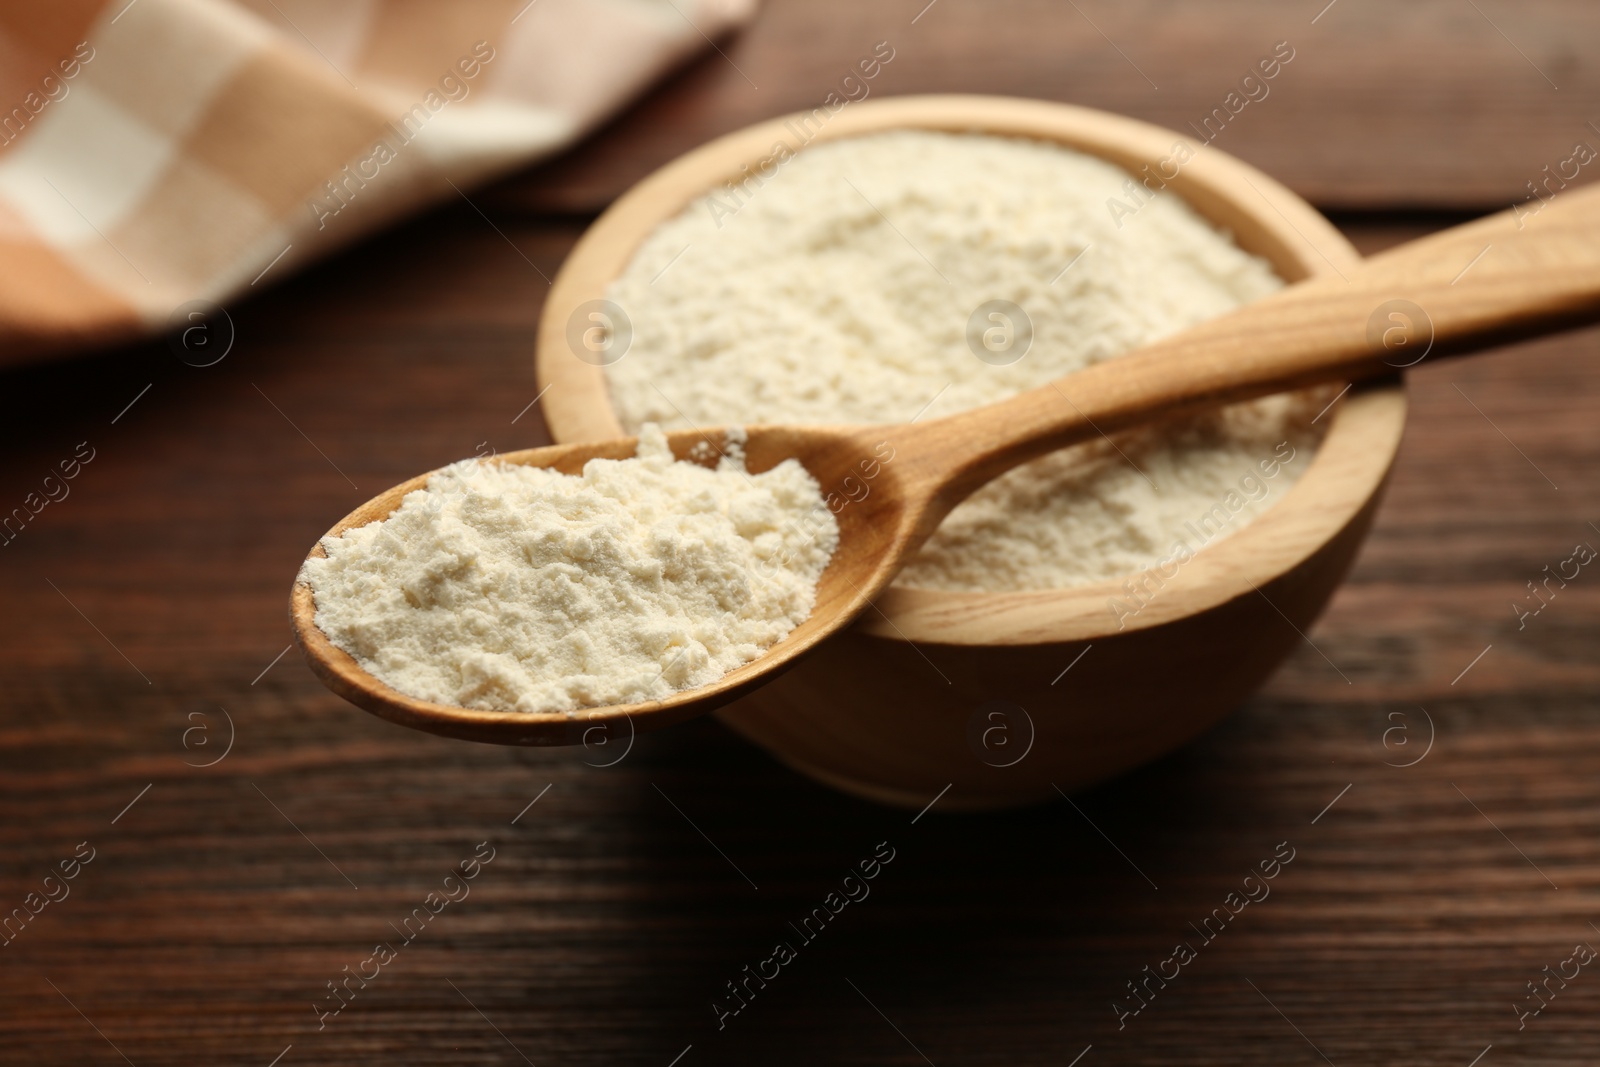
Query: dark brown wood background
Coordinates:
[152,601]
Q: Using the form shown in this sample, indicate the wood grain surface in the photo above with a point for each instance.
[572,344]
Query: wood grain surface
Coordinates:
[145,612]
[1439,102]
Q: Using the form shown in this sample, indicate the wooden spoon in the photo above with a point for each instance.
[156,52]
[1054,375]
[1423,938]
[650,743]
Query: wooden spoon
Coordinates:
[1494,280]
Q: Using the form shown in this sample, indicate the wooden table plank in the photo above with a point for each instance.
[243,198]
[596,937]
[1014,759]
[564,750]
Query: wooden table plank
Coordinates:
[220,904]
[1429,103]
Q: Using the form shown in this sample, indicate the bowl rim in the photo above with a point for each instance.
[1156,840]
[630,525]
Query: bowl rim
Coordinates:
[1264,217]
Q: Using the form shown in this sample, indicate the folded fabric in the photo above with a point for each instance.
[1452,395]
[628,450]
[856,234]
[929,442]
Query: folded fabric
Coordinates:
[159,152]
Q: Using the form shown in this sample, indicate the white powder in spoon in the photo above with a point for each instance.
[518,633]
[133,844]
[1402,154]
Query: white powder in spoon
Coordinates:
[518,588]
[840,289]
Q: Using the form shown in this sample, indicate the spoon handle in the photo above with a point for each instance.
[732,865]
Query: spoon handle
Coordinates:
[1520,273]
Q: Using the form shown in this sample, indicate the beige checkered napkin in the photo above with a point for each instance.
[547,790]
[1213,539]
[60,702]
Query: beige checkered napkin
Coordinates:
[156,152]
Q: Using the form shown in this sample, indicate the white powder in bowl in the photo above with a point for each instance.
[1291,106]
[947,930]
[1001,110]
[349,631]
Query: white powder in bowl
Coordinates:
[839,291]
[524,589]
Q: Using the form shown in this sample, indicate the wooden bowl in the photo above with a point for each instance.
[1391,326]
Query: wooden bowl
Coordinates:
[1005,697]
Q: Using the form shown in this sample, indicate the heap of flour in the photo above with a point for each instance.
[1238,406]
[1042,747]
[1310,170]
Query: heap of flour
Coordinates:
[519,588]
[839,291]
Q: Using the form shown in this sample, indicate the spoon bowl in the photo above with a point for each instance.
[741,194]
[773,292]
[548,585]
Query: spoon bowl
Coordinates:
[859,486]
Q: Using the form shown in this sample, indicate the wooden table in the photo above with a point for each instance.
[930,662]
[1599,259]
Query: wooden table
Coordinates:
[253,836]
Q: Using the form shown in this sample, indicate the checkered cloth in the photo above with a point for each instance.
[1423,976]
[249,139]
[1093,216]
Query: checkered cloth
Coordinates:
[158,152]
